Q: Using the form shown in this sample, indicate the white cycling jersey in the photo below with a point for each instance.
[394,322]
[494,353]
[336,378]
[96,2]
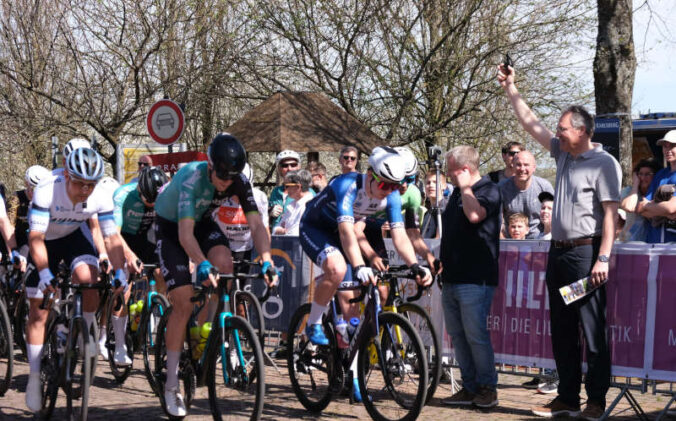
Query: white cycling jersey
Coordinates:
[53,213]
[3,210]
[232,221]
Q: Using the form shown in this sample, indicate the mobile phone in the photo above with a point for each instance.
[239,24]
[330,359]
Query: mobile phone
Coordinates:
[506,64]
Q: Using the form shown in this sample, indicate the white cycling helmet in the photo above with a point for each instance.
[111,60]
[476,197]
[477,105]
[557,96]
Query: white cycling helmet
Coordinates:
[36,173]
[86,164]
[248,172]
[387,164]
[287,154]
[73,144]
[411,160]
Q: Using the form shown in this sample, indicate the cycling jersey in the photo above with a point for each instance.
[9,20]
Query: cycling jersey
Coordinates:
[19,205]
[190,194]
[232,221]
[410,203]
[132,216]
[53,213]
[345,200]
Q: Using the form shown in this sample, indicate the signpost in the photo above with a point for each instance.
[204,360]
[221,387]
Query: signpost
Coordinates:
[165,122]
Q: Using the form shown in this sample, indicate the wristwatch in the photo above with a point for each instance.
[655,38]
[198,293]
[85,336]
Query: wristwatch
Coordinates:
[603,258]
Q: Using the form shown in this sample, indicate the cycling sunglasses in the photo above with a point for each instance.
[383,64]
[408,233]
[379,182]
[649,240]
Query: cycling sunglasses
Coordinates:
[385,185]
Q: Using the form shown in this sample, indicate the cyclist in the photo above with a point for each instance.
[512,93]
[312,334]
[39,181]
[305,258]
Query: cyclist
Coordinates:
[134,216]
[328,234]
[19,203]
[374,248]
[61,203]
[184,230]
[8,239]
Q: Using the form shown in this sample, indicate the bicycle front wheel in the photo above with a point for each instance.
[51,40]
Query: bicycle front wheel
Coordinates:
[235,375]
[6,349]
[247,306]
[393,384]
[79,355]
[148,333]
[431,342]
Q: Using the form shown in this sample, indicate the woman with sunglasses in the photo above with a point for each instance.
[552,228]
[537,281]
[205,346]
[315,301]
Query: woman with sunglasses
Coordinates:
[287,160]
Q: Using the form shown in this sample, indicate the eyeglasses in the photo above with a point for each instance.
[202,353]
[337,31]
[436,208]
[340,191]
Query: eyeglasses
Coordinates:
[385,185]
[83,185]
[289,165]
[349,158]
[143,164]
[288,185]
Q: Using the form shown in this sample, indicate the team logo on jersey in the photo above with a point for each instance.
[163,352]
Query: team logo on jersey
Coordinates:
[231,215]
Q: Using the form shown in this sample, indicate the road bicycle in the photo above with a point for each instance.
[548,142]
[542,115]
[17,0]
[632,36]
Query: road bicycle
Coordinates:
[393,385]
[231,364]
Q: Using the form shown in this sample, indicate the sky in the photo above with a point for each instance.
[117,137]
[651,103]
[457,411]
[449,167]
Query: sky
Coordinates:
[655,45]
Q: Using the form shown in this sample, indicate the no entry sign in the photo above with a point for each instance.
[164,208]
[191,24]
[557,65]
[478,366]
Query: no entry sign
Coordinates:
[165,122]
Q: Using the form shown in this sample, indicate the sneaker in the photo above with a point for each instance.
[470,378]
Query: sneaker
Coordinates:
[556,408]
[549,387]
[316,335]
[356,393]
[533,383]
[463,397]
[593,411]
[174,403]
[34,392]
[121,357]
[103,351]
[486,398]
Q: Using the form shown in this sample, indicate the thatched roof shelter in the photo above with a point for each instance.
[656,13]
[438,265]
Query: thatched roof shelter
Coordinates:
[304,122]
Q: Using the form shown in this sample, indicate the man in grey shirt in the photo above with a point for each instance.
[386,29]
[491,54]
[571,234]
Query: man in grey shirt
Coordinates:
[520,192]
[583,229]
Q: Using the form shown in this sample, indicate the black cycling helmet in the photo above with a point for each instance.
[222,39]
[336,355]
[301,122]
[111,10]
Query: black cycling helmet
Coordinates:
[149,182]
[226,156]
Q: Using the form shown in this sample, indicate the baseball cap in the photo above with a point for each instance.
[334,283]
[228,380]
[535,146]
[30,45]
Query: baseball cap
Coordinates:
[545,195]
[670,137]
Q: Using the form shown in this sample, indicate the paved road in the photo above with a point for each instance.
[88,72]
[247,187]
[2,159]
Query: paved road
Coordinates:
[134,401]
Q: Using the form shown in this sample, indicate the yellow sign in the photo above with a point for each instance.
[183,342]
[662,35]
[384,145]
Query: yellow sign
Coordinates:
[131,154]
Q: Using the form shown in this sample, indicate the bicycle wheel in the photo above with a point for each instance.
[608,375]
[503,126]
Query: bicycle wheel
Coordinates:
[6,349]
[311,367]
[50,362]
[420,320]
[79,355]
[393,387]
[234,390]
[148,332]
[120,373]
[253,313]
[20,322]
[186,374]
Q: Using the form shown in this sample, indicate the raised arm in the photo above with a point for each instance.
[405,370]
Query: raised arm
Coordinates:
[526,116]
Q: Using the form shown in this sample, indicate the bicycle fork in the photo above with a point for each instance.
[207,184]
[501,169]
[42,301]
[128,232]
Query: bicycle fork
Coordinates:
[225,357]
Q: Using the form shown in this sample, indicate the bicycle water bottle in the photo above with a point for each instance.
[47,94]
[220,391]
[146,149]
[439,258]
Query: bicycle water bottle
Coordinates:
[205,330]
[341,332]
[139,310]
[132,317]
[61,338]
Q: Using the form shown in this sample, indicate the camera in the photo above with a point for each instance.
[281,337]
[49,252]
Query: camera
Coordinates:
[433,153]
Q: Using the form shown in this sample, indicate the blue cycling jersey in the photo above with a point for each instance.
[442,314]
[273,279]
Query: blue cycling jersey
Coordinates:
[345,200]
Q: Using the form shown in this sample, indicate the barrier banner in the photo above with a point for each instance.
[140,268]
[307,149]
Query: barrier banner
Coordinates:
[664,344]
[293,267]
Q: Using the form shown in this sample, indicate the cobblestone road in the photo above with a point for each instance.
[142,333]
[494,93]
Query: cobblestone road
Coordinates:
[134,401]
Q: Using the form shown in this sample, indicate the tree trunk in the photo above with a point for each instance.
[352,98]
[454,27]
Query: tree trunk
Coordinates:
[614,69]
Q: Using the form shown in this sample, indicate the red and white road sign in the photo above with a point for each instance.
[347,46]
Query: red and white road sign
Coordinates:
[165,122]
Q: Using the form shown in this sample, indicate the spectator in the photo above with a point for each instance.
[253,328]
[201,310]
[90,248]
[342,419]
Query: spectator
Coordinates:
[287,160]
[586,200]
[546,203]
[508,152]
[517,226]
[144,161]
[297,186]
[428,229]
[319,179]
[520,192]
[469,254]
[348,159]
[636,228]
[651,207]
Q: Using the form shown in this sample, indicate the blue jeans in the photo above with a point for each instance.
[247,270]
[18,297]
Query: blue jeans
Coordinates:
[466,307]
